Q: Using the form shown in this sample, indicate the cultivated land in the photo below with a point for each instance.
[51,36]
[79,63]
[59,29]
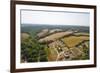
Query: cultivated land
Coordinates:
[55,36]
[24,36]
[54,44]
[73,40]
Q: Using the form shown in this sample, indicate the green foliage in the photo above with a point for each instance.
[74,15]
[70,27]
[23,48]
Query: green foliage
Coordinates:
[32,51]
[86,52]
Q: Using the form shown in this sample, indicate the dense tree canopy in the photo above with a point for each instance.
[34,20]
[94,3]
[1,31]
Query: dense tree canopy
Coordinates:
[32,51]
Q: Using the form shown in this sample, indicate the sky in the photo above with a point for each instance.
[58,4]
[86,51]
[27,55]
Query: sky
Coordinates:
[55,18]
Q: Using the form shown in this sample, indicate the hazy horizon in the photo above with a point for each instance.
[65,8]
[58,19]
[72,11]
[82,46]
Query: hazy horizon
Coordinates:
[51,24]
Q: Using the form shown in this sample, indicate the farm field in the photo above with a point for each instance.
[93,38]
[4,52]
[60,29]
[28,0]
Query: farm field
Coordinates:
[43,43]
[72,41]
